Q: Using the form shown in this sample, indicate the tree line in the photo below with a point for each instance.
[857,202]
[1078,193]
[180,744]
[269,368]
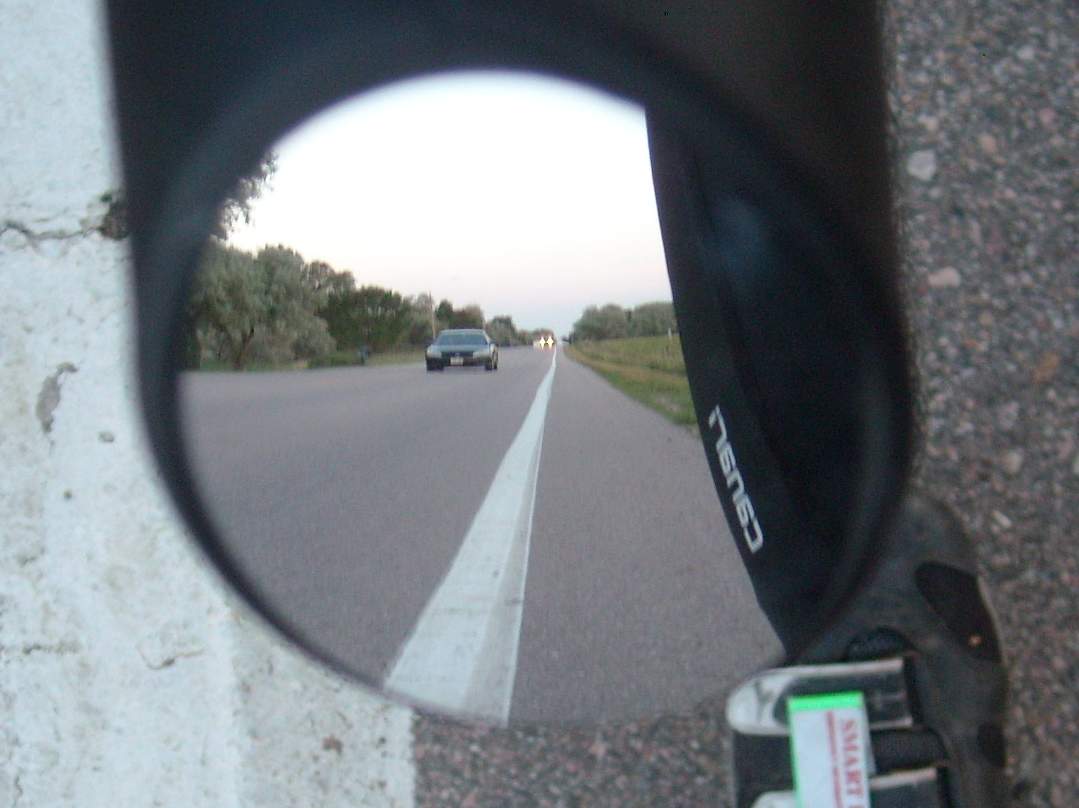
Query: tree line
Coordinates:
[272,307]
[614,322]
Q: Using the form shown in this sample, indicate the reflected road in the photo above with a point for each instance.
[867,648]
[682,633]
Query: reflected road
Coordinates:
[347,492]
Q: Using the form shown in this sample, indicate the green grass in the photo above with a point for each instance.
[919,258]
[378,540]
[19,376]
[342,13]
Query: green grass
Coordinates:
[397,357]
[336,359]
[219,366]
[648,369]
[351,358]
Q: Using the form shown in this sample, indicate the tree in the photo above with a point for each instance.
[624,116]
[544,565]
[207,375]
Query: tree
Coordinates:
[652,319]
[608,322]
[323,278]
[444,312]
[225,305]
[502,330]
[471,316]
[249,188]
[421,329]
[369,316]
[293,328]
[244,307]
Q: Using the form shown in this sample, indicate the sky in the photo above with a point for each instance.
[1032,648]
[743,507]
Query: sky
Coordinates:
[528,195]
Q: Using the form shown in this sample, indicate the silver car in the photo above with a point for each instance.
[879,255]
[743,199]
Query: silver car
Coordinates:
[462,347]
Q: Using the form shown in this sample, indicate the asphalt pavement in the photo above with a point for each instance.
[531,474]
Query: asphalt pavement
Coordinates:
[346,496]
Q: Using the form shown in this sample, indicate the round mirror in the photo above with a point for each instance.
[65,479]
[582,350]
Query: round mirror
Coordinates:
[436,408]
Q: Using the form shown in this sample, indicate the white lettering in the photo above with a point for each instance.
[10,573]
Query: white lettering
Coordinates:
[726,461]
[756,541]
[743,506]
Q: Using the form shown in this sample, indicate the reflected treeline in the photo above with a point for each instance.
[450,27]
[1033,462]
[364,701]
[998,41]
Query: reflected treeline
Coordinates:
[614,322]
[272,308]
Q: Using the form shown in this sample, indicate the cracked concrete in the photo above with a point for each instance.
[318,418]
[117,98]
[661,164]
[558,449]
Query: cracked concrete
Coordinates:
[106,215]
[35,238]
[61,648]
[121,657]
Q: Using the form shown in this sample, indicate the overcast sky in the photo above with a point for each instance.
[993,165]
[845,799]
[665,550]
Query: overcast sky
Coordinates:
[529,196]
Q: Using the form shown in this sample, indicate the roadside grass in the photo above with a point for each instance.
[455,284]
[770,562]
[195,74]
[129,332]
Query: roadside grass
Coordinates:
[650,370]
[339,359]
[220,366]
[335,359]
[396,357]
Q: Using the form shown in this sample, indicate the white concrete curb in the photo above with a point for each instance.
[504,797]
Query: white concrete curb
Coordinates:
[126,677]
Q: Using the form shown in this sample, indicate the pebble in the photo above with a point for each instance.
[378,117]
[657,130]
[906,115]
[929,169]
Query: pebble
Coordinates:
[1008,415]
[988,143]
[1066,445]
[946,278]
[1012,461]
[930,122]
[922,165]
[1002,520]
[1047,367]
[1075,466]
[976,233]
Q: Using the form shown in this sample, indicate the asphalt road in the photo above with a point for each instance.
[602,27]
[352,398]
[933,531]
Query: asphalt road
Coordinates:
[347,493]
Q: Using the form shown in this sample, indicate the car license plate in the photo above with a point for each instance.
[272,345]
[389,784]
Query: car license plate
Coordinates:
[457,360]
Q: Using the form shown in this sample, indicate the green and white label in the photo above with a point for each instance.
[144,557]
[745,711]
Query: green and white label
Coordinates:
[830,749]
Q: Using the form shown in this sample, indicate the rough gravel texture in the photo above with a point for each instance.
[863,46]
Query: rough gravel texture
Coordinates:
[985,133]
[993,276]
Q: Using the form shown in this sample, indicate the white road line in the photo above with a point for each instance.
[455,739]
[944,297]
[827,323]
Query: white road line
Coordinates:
[461,656]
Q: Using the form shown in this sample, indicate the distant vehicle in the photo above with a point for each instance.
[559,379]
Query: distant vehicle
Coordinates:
[460,347]
[544,342]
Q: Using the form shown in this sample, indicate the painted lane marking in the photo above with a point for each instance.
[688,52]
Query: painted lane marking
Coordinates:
[461,655]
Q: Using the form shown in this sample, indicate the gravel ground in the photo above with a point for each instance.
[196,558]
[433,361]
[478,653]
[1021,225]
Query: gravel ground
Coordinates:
[993,276]
[984,99]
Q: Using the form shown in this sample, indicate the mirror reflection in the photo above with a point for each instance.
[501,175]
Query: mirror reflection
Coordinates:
[435,404]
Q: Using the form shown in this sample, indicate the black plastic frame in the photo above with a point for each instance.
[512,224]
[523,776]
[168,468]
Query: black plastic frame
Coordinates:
[203,92]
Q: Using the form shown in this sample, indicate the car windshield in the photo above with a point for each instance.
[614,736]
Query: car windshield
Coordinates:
[461,338]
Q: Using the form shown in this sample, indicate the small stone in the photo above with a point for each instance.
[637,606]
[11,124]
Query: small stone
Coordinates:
[1066,446]
[1047,116]
[1026,53]
[976,233]
[1002,520]
[986,319]
[947,278]
[1012,461]
[930,122]
[332,744]
[106,437]
[922,165]
[1046,368]
[1008,415]
[1075,465]
[988,143]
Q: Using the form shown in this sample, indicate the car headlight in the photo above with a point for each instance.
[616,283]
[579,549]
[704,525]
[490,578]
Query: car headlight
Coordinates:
[434,353]
[482,352]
